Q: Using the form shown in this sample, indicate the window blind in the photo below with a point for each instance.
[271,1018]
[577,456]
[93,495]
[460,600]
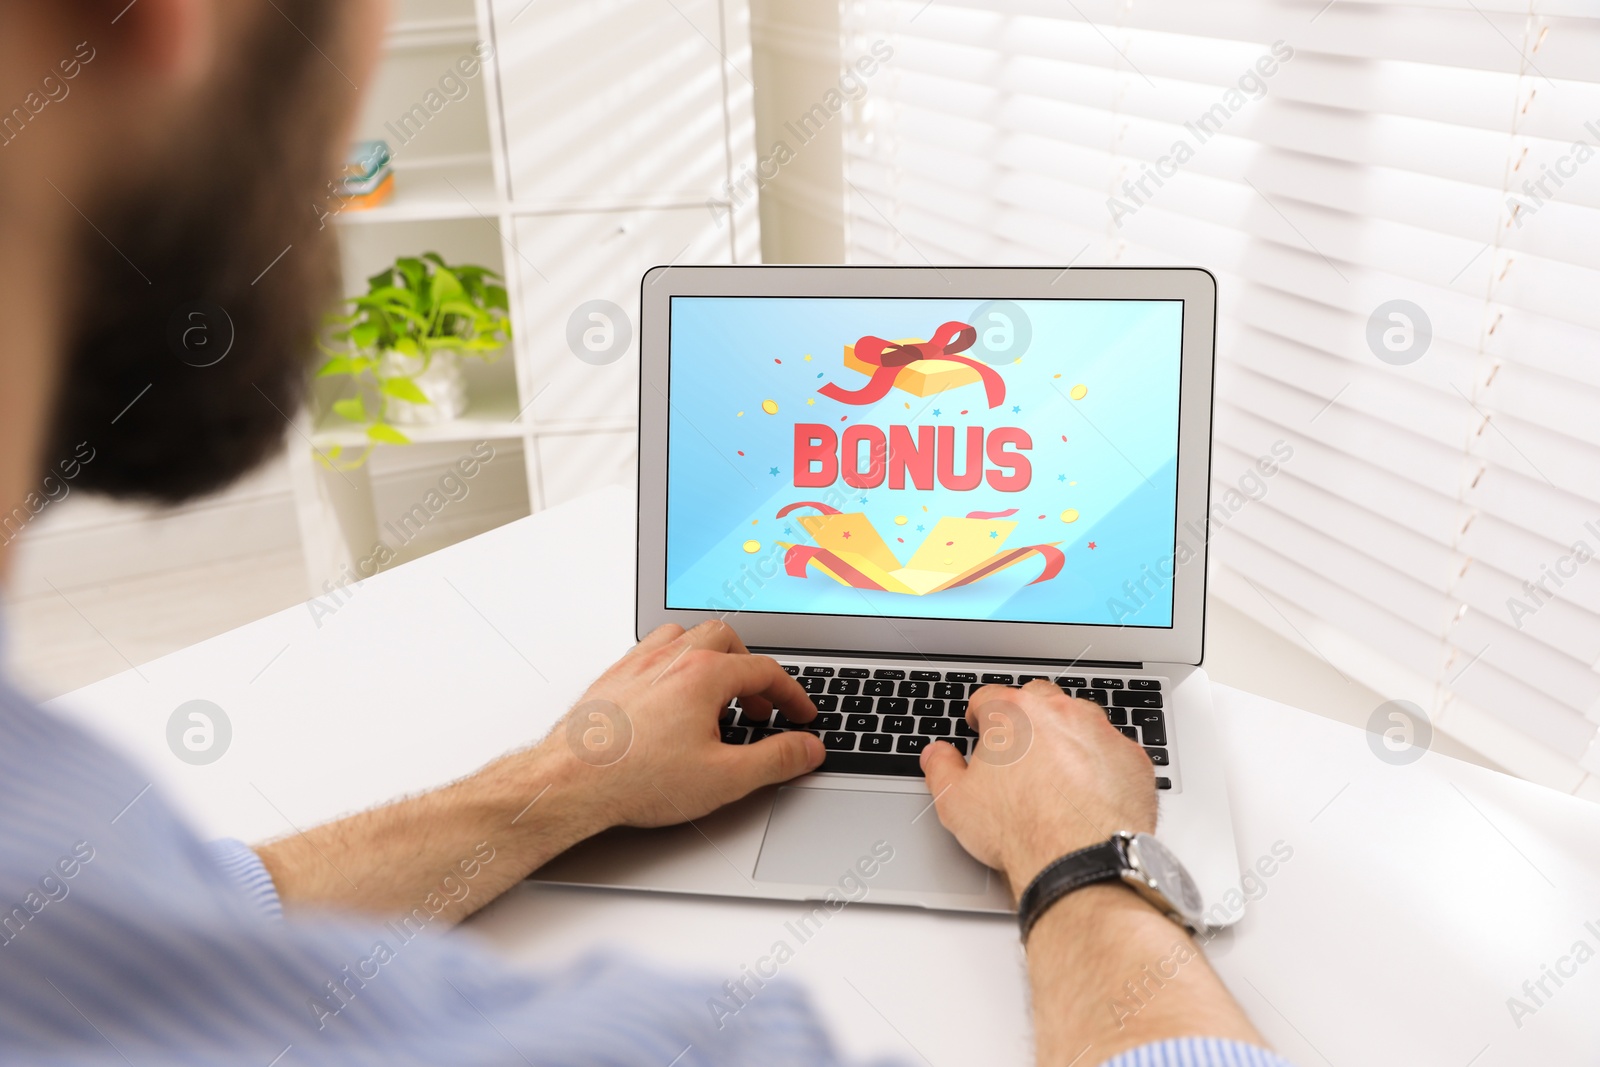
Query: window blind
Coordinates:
[1401,202]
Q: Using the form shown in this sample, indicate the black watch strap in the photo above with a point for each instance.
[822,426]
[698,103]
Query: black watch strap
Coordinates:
[1097,863]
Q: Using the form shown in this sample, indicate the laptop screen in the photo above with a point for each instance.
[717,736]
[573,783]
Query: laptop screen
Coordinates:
[1002,461]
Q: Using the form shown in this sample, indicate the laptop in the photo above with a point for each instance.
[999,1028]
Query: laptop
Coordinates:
[904,483]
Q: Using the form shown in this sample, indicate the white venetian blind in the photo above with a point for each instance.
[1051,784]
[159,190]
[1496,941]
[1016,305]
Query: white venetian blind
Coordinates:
[1442,152]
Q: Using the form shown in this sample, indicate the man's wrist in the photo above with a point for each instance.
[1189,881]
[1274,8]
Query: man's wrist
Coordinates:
[542,795]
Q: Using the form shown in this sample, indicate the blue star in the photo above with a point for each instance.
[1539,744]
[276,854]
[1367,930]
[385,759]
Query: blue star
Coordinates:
[994,533]
[936,413]
[919,527]
[788,529]
[773,472]
[863,500]
[1061,477]
[1015,408]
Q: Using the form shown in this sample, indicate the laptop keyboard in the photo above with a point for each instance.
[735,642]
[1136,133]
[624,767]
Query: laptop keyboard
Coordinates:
[877,720]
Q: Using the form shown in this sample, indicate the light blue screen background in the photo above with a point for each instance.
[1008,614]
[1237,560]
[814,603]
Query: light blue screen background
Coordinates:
[1117,466]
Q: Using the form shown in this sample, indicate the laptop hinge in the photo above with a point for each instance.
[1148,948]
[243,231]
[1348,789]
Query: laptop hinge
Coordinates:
[777,652]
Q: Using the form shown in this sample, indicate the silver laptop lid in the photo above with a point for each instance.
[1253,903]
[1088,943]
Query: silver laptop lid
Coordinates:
[998,462]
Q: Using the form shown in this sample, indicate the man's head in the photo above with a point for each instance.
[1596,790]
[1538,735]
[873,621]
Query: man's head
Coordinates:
[191,151]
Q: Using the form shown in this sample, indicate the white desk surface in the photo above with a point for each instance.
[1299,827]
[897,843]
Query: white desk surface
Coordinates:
[1418,898]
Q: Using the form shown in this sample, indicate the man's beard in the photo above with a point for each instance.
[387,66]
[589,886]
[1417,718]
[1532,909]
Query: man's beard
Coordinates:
[202,288]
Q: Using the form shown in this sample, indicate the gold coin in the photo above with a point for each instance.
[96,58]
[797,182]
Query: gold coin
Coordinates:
[752,547]
[1079,392]
[769,406]
[899,520]
[1070,515]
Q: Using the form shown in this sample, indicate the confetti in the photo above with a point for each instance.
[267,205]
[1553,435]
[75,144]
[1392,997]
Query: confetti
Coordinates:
[842,418]
[1070,515]
[1055,375]
[924,507]
[769,406]
[1063,437]
[902,540]
[752,547]
[899,520]
[778,361]
[740,415]
[1072,483]
[1091,544]
[963,411]
[1079,392]
[947,544]
[741,453]
[908,406]
[810,400]
[753,522]
[1041,516]
[808,360]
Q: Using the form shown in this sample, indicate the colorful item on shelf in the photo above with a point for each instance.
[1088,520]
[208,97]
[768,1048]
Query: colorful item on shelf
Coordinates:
[368,176]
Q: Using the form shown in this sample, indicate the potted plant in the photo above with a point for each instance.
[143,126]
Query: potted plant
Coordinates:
[403,340]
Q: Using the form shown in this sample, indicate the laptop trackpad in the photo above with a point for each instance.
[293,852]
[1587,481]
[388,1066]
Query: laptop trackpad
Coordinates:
[817,836]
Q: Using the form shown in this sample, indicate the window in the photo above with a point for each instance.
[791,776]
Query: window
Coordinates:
[1401,203]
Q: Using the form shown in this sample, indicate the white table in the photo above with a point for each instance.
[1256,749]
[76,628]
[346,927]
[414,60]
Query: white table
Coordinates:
[1418,898]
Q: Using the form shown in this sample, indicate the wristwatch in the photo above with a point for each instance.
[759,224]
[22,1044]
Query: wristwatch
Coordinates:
[1142,863]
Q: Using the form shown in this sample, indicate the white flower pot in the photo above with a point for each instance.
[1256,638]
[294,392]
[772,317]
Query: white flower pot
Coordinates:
[441,382]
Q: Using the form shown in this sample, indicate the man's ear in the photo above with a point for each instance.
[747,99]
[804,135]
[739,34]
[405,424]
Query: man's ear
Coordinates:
[172,43]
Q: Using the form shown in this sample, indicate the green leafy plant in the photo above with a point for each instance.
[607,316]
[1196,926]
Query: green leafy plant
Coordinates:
[416,309]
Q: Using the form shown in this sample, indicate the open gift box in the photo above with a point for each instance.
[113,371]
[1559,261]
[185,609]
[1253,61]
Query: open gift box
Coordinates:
[958,551]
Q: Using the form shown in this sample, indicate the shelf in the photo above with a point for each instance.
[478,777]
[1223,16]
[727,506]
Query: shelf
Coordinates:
[492,416]
[431,33]
[461,188]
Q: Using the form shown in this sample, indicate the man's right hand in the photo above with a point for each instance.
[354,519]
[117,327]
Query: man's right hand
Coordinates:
[1050,775]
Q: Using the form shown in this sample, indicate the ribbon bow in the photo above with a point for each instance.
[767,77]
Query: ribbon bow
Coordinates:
[890,357]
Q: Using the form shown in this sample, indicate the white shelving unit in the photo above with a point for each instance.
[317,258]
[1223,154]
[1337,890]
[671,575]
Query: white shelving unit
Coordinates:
[599,139]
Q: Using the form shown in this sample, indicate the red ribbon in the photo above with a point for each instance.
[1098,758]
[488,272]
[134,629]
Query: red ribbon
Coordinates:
[890,357]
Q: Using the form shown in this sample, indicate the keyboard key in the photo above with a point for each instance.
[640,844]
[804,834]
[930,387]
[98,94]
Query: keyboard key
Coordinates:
[1144,683]
[734,735]
[876,743]
[911,744]
[960,676]
[861,724]
[898,724]
[872,763]
[761,733]
[818,672]
[780,721]
[893,705]
[1163,783]
[726,718]
[934,727]
[925,676]
[858,705]
[1128,699]
[791,668]
[1130,733]
[949,690]
[1107,683]
[825,702]
[813,685]
[963,744]
[957,709]
[838,741]
[1072,680]
[912,689]
[1158,756]
[1118,716]
[963,728]
[1026,678]
[1099,696]
[828,720]
[846,687]
[854,672]
[1154,730]
[891,674]
[927,707]
[997,679]
[877,688]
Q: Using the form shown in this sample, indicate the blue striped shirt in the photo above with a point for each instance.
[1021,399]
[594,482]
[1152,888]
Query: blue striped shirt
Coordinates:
[126,940]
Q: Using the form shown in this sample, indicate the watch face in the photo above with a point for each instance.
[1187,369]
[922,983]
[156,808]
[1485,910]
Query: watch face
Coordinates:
[1167,876]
